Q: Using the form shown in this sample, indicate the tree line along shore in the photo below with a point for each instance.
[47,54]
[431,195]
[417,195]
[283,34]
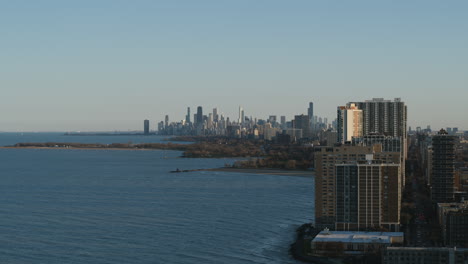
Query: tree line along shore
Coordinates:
[258,154]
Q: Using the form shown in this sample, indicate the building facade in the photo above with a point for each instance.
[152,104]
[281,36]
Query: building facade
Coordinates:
[146,127]
[310,114]
[349,123]
[424,255]
[453,220]
[329,161]
[385,117]
[199,116]
[302,122]
[368,196]
[345,243]
[443,167]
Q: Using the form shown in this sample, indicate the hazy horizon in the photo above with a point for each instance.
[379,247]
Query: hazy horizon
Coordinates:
[108,65]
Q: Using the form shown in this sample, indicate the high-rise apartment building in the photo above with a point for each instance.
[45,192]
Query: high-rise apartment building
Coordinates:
[349,123]
[327,162]
[443,167]
[389,143]
[388,118]
[453,220]
[146,126]
[368,195]
[383,117]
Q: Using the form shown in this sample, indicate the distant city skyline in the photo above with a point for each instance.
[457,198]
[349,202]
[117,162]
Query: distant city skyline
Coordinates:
[135,125]
[109,65]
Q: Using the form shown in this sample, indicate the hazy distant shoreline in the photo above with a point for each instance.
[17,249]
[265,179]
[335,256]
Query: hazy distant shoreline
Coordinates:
[297,173]
[280,172]
[84,148]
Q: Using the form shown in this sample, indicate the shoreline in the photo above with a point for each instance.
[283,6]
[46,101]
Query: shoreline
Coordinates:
[85,148]
[296,173]
[260,171]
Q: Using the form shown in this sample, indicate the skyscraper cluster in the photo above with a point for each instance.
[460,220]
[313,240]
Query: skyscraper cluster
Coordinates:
[301,127]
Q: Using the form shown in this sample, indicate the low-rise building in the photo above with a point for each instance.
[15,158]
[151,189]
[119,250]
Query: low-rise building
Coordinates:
[342,243]
[424,255]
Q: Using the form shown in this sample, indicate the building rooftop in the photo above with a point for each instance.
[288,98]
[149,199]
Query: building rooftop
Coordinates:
[428,249]
[454,206]
[356,237]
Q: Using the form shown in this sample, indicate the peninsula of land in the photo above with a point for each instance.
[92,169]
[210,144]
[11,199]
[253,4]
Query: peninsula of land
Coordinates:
[256,154]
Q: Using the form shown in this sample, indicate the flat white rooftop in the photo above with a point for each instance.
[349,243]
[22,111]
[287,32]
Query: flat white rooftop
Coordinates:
[357,237]
[431,249]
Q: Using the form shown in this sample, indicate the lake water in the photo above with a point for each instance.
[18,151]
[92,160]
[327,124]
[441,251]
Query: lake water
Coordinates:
[123,206]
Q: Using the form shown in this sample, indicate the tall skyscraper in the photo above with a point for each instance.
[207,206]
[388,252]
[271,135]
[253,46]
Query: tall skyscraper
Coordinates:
[209,123]
[302,122]
[272,119]
[215,114]
[283,121]
[146,127]
[199,116]
[166,121]
[187,117]
[443,167]
[349,123]
[310,114]
[241,116]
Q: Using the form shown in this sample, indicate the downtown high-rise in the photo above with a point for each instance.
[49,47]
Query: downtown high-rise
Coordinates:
[199,116]
[146,127]
[310,114]
[187,117]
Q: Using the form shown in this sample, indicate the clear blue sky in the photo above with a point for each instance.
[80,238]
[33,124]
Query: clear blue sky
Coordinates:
[106,65]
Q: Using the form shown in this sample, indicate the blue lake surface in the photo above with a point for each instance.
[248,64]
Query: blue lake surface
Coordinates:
[8,139]
[123,206]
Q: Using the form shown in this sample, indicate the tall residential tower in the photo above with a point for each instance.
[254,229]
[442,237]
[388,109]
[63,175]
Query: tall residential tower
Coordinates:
[443,167]
[349,123]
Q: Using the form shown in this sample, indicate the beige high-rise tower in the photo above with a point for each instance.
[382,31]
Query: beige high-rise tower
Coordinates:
[349,123]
